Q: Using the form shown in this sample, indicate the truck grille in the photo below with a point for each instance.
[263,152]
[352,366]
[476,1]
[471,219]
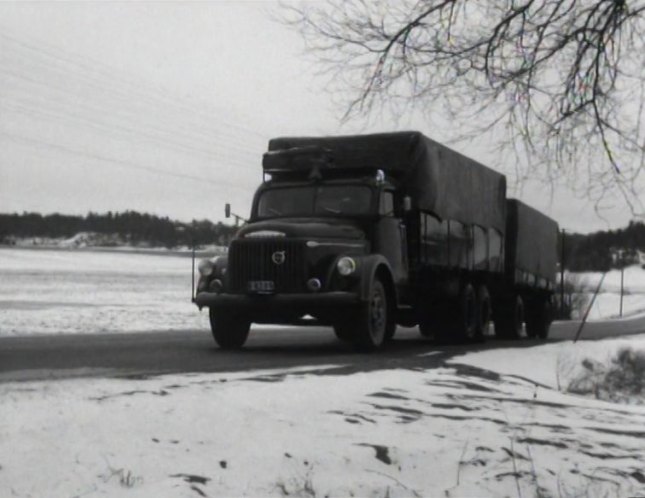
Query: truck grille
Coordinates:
[253,260]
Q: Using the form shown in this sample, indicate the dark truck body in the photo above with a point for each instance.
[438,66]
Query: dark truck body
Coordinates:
[531,239]
[433,242]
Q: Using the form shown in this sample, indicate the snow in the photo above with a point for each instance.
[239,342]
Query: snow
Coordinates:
[98,242]
[86,292]
[46,291]
[607,303]
[457,430]
[498,422]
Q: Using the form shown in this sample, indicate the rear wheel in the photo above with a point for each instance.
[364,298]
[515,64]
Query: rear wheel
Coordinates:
[466,320]
[428,318]
[483,311]
[229,331]
[538,318]
[509,317]
[458,319]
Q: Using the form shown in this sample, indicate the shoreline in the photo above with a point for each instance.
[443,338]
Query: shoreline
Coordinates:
[151,251]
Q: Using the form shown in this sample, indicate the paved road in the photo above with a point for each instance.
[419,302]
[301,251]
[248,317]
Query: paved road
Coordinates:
[144,354]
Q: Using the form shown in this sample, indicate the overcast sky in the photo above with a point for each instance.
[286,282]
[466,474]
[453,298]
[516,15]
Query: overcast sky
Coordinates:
[167,107]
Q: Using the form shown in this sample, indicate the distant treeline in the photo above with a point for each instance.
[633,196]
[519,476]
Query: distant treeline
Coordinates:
[130,226]
[593,252]
[600,251]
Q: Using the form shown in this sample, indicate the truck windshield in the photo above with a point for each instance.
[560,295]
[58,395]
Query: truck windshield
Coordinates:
[307,201]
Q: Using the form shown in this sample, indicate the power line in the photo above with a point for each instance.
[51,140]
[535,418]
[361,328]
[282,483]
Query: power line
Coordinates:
[90,66]
[128,117]
[161,141]
[119,162]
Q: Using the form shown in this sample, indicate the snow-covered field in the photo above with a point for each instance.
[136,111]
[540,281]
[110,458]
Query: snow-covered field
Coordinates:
[86,292]
[501,422]
[607,303]
[68,291]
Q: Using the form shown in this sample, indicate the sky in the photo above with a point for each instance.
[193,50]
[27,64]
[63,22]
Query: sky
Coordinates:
[167,107]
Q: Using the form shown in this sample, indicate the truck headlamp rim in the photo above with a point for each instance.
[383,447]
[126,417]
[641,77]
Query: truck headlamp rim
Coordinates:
[206,267]
[346,266]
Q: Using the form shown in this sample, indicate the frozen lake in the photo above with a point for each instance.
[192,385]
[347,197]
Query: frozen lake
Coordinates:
[56,291]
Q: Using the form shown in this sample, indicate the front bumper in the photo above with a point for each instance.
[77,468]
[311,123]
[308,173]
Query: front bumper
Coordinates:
[277,301]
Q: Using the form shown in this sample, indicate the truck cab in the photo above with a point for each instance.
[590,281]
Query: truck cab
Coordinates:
[321,246]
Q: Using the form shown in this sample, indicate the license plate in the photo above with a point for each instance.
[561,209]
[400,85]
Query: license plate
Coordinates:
[261,286]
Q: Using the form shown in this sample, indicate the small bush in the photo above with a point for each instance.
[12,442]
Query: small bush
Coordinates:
[621,380]
[576,297]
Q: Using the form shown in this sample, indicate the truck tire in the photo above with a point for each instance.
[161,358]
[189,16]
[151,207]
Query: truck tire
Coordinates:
[427,325]
[372,319]
[509,317]
[538,319]
[483,311]
[344,330]
[432,317]
[459,317]
[229,331]
[467,318]
[390,330]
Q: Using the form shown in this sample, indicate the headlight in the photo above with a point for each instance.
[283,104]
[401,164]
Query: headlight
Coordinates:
[346,266]
[205,267]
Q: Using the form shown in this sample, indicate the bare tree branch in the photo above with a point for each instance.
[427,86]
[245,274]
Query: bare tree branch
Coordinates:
[560,83]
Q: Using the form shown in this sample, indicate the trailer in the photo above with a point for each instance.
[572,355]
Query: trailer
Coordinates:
[367,232]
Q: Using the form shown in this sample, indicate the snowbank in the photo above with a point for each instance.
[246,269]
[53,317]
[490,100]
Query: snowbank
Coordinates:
[612,370]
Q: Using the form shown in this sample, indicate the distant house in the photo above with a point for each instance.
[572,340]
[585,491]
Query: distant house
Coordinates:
[641,258]
[626,257]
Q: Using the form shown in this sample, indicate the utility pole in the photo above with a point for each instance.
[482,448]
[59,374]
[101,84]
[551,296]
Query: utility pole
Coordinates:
[562,274]
[621,256]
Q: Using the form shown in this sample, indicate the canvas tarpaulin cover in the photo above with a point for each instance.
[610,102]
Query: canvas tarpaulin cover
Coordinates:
[531,241]
[437,178]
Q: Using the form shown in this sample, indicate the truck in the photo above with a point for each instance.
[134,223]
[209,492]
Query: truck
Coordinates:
[364,233]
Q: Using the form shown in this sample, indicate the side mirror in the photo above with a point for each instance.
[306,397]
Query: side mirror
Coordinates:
[407,204]
[227,210]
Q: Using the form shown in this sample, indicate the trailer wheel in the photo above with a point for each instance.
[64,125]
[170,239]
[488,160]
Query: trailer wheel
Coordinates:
[538,319]
[509,317]
[229,331]
[372,319]
[483,311]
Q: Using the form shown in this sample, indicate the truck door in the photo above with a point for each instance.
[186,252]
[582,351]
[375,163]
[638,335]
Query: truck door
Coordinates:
[390,237]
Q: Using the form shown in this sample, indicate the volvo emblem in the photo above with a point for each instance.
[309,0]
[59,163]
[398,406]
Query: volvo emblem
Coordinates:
[278,257]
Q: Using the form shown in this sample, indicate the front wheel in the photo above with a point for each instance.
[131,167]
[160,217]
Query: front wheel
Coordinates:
[373,322]
[229,331]
[343,329]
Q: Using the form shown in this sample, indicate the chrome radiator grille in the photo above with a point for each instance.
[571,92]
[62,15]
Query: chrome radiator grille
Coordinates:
[255,260]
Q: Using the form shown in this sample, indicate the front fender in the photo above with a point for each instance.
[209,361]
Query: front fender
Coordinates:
[359,283]
[368,267]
